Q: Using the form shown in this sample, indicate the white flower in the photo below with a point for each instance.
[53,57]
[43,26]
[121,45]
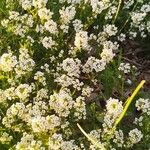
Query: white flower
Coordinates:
[39,108]
[143,105]
[4,23]
[128,4]
[135,136]
[48,42]
[28,20]
[145,8]
[71,66]
[119,138]
[65,28]
[39,76]
[45,14]
[55,141]
[51,26]
[2,96]
[99,6]
[110,45]
[25,64]
[81,40]
[38,124]
[14,15]
[125,67]
[10,93]
[39,3]
[42,94]
[111,12]
[29,143]
[86,91]
[80,108]
[7,62]
[96,134]
[137,17]
[110,30]
[69,145]
[94,64]
[77,25]
[67,14]
[108,122]
[14,112]
[107,55]
[61,102]
[16,109]
[121,37]
[5,138]
[114,107]
[20,30]
[138,121]
[26,4]
[23,91]
[66,81]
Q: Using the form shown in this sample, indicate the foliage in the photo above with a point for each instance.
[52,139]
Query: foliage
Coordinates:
[61,64]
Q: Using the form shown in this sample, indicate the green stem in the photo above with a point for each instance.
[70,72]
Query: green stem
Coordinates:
[122,88]
[128,18]
[118,10]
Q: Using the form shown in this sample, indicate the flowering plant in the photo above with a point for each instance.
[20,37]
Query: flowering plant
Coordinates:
[60,64]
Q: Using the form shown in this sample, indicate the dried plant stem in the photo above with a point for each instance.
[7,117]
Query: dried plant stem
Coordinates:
[128,102]
[91,139]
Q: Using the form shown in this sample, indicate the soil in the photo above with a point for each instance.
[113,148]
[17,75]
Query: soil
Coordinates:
[138,54]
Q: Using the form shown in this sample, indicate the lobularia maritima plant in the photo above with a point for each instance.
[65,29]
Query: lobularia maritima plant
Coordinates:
[60,64]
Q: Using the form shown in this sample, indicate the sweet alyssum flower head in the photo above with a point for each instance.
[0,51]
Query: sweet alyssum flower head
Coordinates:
[39,3]
[48,42]
[135,136]
[7,62]
[51,26]
[125,67]
[71,66]
[107,55]
[143,105]
[45,14]
[22,91]
[81,40]
[61,102]
[114,107]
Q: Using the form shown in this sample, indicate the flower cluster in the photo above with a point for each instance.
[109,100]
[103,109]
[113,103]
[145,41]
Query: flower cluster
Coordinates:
[135,136]
[56,59]
[5,138]
[61,102]
[94,64]
[7,62]
[119,138]
[126,68]
[143,105]
[28,142]
[114,108]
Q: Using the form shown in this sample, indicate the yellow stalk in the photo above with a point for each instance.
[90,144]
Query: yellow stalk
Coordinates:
[128,102]
[91,139]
